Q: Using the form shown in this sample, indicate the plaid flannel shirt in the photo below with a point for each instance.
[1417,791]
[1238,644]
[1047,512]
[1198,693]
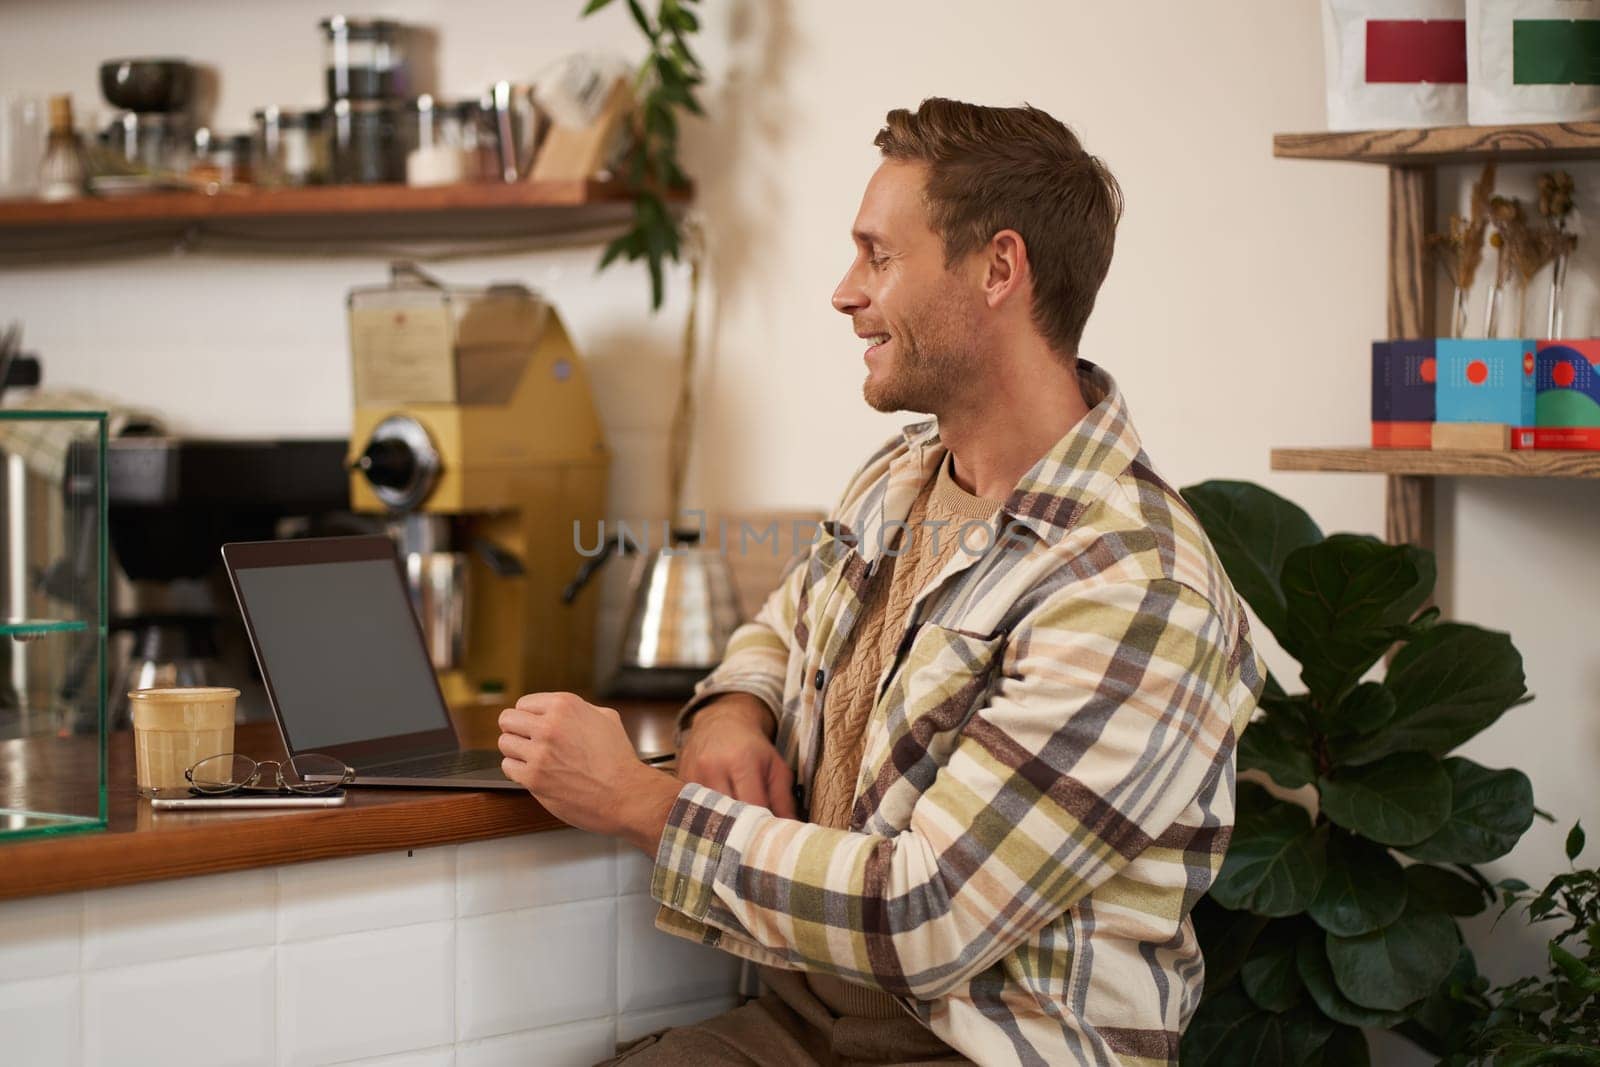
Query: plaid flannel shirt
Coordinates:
[1047,784]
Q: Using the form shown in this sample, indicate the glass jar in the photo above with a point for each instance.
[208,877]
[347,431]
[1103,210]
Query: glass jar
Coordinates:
[291,147]
[433,141]
[364,58]
[157,142]
[222,160]
[480,147]
[364,143]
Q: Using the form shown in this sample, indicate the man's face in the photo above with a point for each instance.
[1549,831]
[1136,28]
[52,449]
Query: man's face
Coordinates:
[917,317]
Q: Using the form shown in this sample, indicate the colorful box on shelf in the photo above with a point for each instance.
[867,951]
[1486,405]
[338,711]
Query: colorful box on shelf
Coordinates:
[1486,380]
[1567,397]
[1403,377]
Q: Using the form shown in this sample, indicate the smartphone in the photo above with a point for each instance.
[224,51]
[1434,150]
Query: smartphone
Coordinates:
[203,802]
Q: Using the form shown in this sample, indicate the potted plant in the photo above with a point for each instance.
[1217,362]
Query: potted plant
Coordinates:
[663,89]
[1315,927]
[1551,1018]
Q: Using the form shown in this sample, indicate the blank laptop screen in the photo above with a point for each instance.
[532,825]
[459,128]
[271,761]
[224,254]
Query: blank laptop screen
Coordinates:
[341,645]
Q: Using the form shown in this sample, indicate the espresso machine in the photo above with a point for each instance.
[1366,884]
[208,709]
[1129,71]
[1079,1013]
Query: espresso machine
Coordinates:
[475,435]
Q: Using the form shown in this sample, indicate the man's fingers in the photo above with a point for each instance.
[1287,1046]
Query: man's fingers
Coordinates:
[515,746]
[749,787]
[517,720]
[780,785]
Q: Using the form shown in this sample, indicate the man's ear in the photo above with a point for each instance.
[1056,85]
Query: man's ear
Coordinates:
[1006,274]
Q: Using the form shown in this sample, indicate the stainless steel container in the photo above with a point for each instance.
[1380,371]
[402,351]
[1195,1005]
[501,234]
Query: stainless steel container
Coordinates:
[438,585]
[683,609]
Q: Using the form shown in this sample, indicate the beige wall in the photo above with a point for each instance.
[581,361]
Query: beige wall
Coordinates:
[1236,317]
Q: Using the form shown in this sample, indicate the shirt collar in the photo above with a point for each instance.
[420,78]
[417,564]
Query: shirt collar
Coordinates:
[1072,475]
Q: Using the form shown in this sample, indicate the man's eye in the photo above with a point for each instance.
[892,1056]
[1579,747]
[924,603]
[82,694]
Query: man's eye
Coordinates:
[877,262]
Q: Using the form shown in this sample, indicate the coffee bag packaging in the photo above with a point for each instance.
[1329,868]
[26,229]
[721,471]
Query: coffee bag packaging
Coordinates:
[1395,63]
[1533,61]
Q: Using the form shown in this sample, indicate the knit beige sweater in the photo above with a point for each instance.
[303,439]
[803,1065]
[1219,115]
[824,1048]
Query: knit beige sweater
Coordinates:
[924,549]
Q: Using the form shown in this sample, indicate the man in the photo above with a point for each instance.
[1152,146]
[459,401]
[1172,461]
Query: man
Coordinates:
[1014,746]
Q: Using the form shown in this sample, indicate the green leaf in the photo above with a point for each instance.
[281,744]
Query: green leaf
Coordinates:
[656,286]
[1399,800]
[1275,861]
[1449,684]
[1444,890]
[1269,977]
[1208,1042]
[1398,965]
[1225,937]
[1280,745]
[642,19]
[1489,812]
[616,248]
[592,6]
[1365,709]
[1575,841]
[1348,600]
[1443,1023]
[1311,960]
[1364,888]
[1228,1030]
[682,52]
[1345,1047]
[1253,531]
[1576,971]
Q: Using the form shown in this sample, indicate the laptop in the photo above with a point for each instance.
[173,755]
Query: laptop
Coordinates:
[344,664]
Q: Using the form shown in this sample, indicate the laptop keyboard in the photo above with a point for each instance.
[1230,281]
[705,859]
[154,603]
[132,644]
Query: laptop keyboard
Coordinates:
[443,765]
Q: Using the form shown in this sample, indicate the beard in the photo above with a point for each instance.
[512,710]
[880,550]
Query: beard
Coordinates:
[930,362]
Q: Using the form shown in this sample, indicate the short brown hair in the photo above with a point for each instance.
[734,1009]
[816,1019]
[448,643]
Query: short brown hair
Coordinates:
[1016,168]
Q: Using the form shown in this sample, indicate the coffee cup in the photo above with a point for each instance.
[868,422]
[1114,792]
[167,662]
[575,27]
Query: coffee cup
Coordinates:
[173,729]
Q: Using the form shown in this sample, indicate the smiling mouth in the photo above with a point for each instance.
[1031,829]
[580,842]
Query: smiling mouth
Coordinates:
[878,340]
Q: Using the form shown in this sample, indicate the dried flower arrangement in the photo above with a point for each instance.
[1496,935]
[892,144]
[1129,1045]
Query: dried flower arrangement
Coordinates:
[1460,251]
[1555,204]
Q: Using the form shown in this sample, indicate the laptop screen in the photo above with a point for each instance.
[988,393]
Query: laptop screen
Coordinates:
[343,651]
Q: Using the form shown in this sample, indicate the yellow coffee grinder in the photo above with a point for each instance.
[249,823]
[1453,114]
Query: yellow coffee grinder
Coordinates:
[475,433]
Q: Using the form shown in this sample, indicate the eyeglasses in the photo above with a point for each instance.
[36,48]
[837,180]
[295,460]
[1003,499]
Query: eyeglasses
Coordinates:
[309,773]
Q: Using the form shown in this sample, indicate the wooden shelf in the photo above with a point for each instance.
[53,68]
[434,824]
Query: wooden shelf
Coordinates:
[1440,464]
[1447,144]
[312,201]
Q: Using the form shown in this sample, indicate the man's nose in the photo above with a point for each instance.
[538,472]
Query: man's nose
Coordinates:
[849,298]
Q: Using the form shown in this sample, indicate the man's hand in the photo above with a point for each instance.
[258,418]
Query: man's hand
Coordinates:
[576,760]
[728,749]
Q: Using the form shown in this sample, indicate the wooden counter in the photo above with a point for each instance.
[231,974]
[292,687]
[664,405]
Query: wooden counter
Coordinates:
[140,845]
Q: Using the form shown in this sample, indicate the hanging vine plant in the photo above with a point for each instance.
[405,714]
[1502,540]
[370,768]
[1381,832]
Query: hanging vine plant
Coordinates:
[663,89]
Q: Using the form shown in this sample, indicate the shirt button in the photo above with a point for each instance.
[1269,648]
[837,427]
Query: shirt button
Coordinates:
[818,680]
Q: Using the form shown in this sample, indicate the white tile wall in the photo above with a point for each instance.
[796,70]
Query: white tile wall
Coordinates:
[39,1020]
[366,893]
[40,937]
[655,970]
[574,1045]
[367,994]
[634,869]
[182,917]
[534,870]
[443,1056]
[517,970]
[535,950]
[162,1013]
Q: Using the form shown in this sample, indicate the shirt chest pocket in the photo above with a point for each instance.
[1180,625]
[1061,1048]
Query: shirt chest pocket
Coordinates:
[944,676]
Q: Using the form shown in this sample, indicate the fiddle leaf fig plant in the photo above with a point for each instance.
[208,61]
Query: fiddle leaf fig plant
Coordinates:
[1337,903]
[664,87]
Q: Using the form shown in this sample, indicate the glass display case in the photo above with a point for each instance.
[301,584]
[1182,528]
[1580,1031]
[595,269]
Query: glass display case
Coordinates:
[52,622]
